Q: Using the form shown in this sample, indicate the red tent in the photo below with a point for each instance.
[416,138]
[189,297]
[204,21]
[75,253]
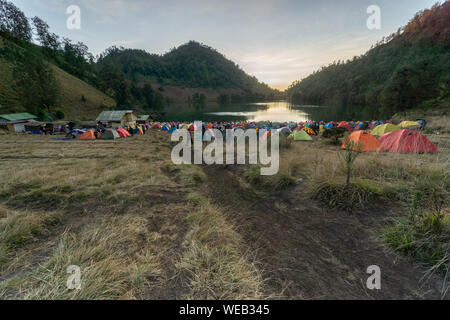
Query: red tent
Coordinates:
[123,133]
[345,124]
[406,141]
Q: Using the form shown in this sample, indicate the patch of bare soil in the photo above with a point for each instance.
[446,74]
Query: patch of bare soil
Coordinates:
[311,253]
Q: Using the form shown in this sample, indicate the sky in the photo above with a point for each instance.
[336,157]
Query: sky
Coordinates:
[278,41]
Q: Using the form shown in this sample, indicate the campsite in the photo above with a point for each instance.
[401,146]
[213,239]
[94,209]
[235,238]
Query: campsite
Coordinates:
[214,152]
[155,230]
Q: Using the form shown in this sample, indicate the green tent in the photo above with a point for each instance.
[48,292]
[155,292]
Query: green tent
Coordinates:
[300,135]
[110,135]
[383,129]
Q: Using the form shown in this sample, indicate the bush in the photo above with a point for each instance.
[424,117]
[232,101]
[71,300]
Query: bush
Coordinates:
[358,195]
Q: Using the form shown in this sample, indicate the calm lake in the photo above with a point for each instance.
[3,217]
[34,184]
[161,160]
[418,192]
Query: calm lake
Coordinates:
[279,111]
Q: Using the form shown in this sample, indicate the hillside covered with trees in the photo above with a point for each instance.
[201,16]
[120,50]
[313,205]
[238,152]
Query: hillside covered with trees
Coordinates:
[409,69]
[42,72]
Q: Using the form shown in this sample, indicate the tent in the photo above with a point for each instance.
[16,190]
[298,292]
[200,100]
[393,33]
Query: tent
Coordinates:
[383,129]
[88,135]
[172,130]
[309,131]
[409,124]
[300,135]
[286,131]
[110,135]
[407,141]
[123,133]
[368,142]
[345,125]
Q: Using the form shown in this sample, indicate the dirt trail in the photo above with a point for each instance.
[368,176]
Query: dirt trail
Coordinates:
[308,253]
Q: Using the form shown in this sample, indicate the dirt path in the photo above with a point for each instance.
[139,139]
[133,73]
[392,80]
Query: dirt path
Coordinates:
[308,253]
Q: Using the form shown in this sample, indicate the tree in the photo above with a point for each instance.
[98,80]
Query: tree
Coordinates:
[14,22]
[148,95]
[48,40]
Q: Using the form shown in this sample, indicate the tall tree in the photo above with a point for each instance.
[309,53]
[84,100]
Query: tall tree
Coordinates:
[14,22]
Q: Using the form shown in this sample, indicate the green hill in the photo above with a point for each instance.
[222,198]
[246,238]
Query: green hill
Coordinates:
[410,69]
[192,65]
[28,82]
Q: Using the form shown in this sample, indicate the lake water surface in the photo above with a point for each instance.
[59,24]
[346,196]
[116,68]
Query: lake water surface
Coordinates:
[279,111]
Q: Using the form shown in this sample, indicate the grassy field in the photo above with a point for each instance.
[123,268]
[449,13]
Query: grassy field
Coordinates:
[141,228]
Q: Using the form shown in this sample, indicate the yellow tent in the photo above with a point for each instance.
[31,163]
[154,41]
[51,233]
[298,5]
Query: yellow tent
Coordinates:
[408,124]
[383,129]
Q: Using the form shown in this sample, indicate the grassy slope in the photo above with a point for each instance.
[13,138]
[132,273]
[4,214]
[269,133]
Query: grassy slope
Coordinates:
[72,89]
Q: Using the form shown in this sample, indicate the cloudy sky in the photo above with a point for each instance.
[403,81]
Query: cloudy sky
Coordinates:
[278,41]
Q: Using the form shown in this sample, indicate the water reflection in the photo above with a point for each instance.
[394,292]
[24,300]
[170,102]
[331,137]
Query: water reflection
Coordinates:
[280,111]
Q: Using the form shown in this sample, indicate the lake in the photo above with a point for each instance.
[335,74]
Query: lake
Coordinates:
[279,111]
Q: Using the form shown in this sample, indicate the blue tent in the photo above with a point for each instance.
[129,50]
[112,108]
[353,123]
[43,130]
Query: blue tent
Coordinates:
[328,126]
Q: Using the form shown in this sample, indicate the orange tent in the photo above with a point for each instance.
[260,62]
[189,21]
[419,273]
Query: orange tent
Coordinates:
[88,135]
[309,131]
[367,141]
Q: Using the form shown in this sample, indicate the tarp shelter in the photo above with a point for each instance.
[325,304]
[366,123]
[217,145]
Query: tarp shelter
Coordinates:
[407,141]
[123,133]
[88,135]
[110,135]
[383,129]
[409,124]
[367,141]
[300,135]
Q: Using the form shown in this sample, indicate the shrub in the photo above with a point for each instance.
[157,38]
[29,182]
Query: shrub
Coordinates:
[359,195]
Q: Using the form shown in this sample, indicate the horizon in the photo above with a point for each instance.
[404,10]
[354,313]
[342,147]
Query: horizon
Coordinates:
[276,54]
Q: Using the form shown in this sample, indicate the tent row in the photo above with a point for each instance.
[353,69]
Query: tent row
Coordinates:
[107,135]
[400,141]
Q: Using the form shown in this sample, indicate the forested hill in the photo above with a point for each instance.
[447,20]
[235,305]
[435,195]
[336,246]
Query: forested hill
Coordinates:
[191,65]
[53,77]
[409,69]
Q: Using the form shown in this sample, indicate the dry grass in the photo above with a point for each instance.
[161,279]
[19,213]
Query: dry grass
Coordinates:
[112,208]
[115,258]
[214,261]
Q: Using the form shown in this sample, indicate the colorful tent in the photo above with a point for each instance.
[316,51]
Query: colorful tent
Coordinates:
[407,141]
[345,125]
[309,131]
[123,133]
[110,135]
[367,141]
[300,135]
[408,124]
[383,129]
[88,135]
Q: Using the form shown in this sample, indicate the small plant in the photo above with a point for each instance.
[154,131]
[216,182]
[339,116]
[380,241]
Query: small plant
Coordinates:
[352,151]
